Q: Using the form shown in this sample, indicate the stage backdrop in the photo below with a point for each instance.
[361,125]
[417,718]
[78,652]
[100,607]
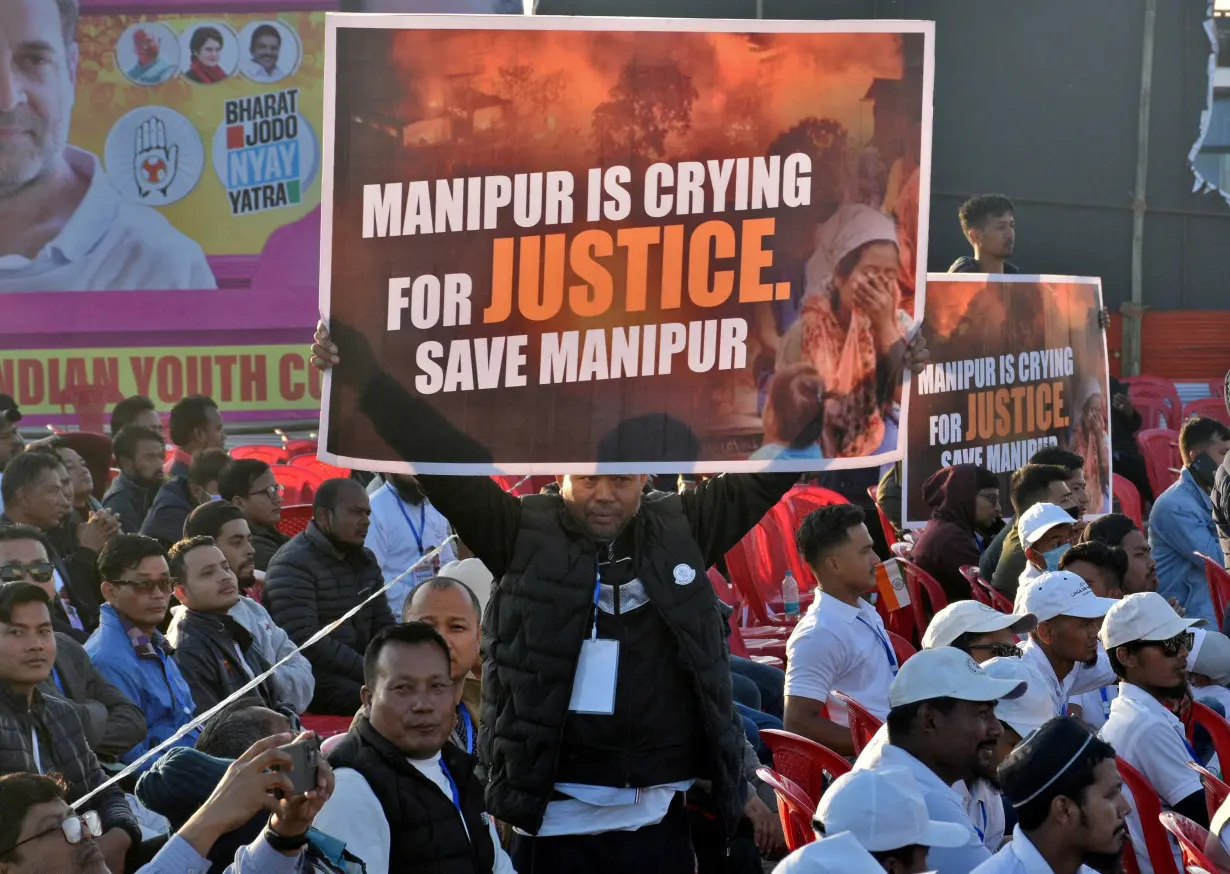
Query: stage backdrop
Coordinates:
[1017,363]
[624,244]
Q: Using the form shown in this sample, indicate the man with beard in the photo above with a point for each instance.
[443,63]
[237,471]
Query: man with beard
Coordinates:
[405,527]
[250,485]
[989,223]
[319,576]
[1063,651]
[964,502]
[1115,529]
[942,728]
[1069,801]
[139,453]
[1148,643]
[11,441]
[225,523]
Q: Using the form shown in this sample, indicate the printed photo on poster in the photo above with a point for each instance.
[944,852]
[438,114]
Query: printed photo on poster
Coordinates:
[271,51]
[210,53]
[597,243]
[148,53]
[1018,364]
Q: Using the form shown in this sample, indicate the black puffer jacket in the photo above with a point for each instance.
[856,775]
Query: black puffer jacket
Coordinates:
[166,517]
[310,584]
[62,750]
[205,653]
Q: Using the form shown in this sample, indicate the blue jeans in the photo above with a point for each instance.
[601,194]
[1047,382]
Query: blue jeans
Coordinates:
[753,722]
[770,683]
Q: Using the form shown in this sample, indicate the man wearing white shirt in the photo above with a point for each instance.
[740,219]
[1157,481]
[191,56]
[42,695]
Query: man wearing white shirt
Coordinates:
[942,728]
[62,226]
[1063,651]
[406,800]
[1069,801]
[265,47]
[1208,668]
[841,644]
[1148,643]
[1046,534]
[978,630]
[405,527]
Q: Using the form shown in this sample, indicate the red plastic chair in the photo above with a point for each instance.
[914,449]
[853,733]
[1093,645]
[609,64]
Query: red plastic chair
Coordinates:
[757,564]
[1128,497]
[326,726]
[863,723]
[1192,838]
[740,646]
[794,808]
[1219,586]
[1149,808]
[1217,387]
[1150,387]
[303,446]
[918,581]
[89,402]
[323,468]
[1215,791]
[976,586]
[804,761]
[269,454]
[295,518]
[1155,412]
[803,499]
[890,531]
[902,648]
[1212,408]
[1212,722]
[299,485]
[1160,448]
[999,600]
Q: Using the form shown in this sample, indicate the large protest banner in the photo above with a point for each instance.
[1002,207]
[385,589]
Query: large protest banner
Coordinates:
[624,244]
[1018,363]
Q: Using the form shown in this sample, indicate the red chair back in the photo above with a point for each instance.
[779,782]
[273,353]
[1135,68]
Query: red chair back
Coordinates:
[1215,791]
[1160,448]
[1128,497]
[998,599]
[1192,838]
[89,402]
[267,453]
[890,531]
[302,446]
[757,565]
[326,726]
[722,587]
[299,485]
[863,723]
[804,761]
[902,648]
[1219,586]
[1212,408]
[919,581]
[794,808]
[1149,387]
[1149,808]
[976,586]
[1155,412]
[1212,722]
[295,518]
[322,468]
[803,499]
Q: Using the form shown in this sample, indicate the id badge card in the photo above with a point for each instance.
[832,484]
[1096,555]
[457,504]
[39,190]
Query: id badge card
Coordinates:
[593,689]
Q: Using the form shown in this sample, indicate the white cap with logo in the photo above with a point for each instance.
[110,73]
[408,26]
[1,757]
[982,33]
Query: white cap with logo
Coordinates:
[971,617]
[1142,616]
[1210,656]
[884,809]
[1030,711]
[1039,519]
[839,854]
[1061,593]
[946,672]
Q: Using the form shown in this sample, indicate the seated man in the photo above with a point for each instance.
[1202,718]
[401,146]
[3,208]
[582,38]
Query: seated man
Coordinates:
[129,650]
[407,799]
[194,425]
[40,733]
[451,608]
[840,644]
[139,453]
[1103,568]
[224,522]
[1046,534]
[179,495]
[1073,465]
[215,653]
[964,502]
[1115,529]
[1032,484]
[978,630]
[316,579]
[1181,523]
[250,485]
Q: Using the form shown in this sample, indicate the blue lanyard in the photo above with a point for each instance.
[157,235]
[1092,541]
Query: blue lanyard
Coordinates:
[55,675]
[422,529]
[888,650]
[597,595]
[1191,751]
[452,784]
[469,727]
[982,832]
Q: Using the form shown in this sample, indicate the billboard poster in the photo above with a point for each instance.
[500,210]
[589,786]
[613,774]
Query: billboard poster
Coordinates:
[599,244]
[1018,363]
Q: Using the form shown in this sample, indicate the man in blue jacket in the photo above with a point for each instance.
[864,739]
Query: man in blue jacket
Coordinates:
[1181,523]
[129,650]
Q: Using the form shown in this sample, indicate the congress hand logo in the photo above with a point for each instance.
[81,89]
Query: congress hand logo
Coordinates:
[154,163]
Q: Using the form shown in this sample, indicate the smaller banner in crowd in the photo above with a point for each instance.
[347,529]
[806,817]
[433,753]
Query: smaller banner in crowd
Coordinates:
[637,245]
[1018,363]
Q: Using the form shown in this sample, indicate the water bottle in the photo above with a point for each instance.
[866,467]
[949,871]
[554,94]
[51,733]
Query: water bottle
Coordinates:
[790,595]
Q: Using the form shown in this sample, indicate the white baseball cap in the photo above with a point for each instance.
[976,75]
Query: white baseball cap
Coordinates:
[971,617]
[1210,656]
[884,809]
[1029,712]
[839,854]
[1061,593]
[474,574]
[1142,616]
[1039,519]
[945,672]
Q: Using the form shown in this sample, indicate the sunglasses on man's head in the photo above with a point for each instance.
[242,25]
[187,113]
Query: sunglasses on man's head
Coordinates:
[38,571]
[1000,650]
[1172,647]
[75,830]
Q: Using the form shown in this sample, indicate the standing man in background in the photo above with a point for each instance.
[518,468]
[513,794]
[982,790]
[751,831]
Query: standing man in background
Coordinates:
[989,223]
[405,527]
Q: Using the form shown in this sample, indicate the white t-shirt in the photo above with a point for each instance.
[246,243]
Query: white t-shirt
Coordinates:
[400,535]
[837,647]
[1079,680]
[1151,739]
[109,244]
[354,816]
[1095,705]
[1020,857]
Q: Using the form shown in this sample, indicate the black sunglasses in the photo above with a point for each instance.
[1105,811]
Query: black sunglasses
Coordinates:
[1000,650]
[38,571]
[1184,640]
[75,830]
